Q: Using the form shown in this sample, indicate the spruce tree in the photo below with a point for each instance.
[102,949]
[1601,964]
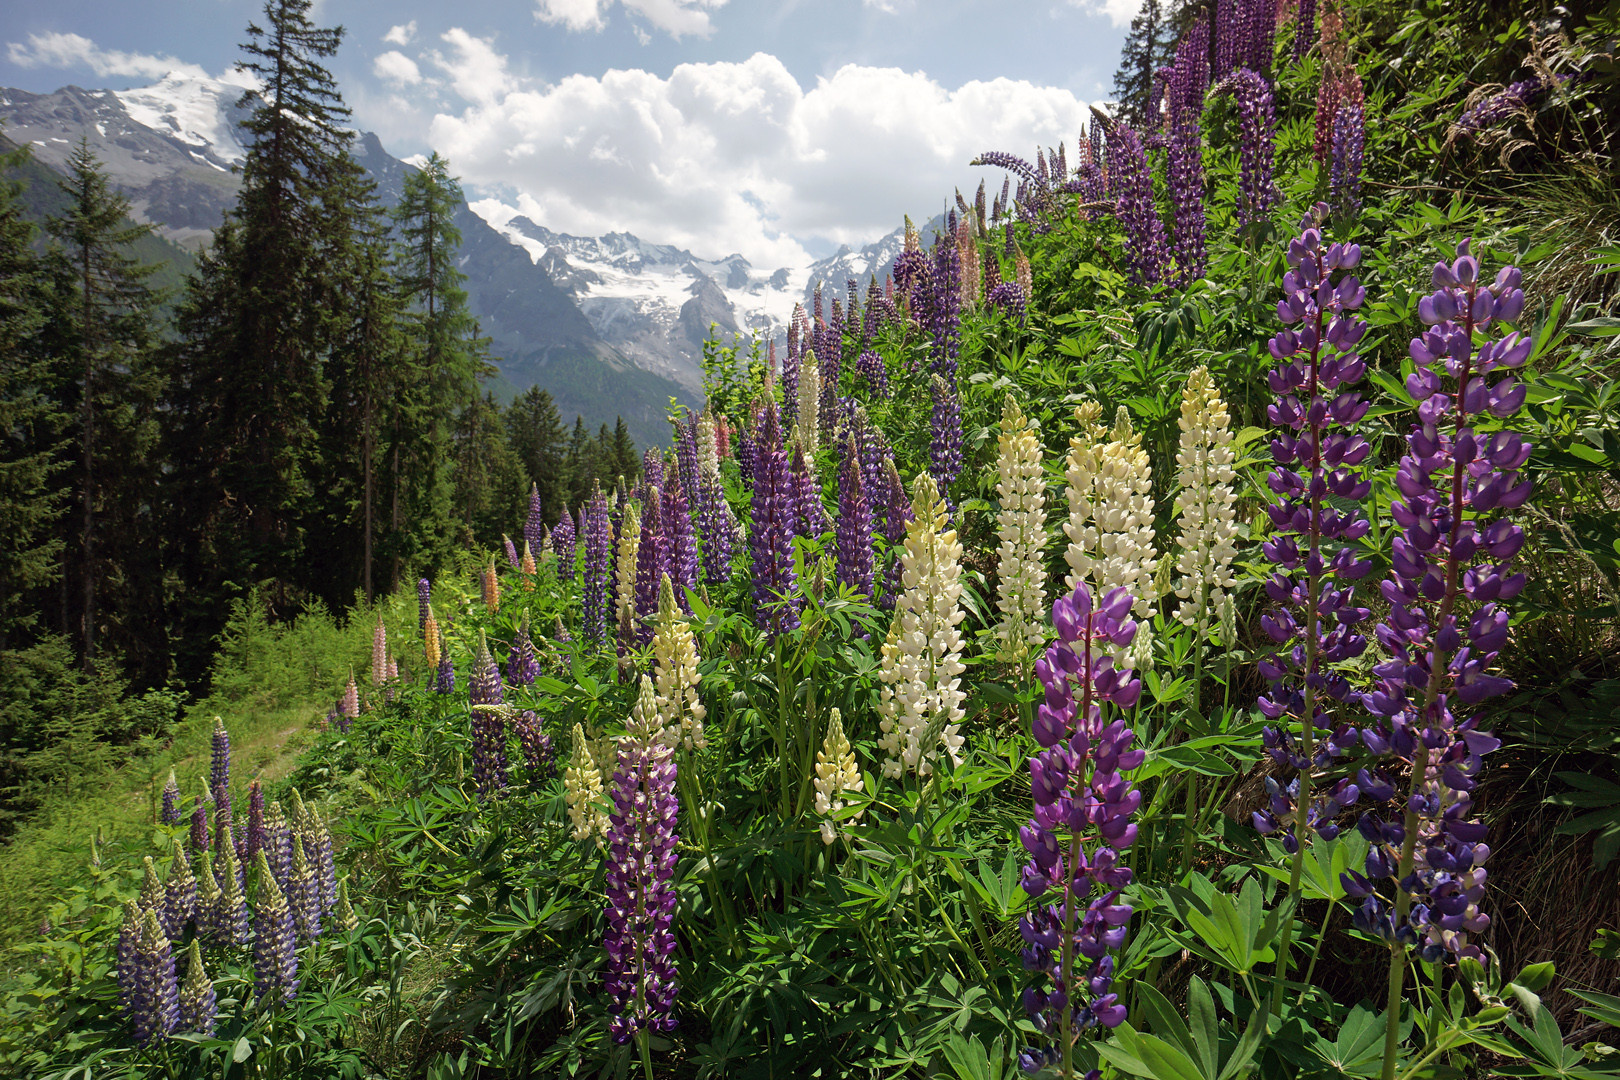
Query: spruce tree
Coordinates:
[491,497]
[1147,48]
[368,372]
[448,359]
[30,424]
[577,464]
[625,461]
[107,326]
[537,436]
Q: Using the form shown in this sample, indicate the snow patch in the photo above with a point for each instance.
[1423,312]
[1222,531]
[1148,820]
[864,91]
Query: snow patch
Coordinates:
[190,110]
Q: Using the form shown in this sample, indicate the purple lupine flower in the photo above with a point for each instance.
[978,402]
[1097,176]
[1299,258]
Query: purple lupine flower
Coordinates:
[1009,296]
[304,894]
[488,730]
[598,566]
[229,919]
[652,561]
[1229,33]
[873,370]
[219,768]
[1189,81]
[424,602]
[830,354]
[534,525]
[1261,36]
[538,755]
[155,995]
[1516,99]
[797,332]
[641,977]
[1257,147]
[125,967]
[200,839]
[564,542]
[1078,785]
[854,529]
[771,531]
[809,517]
[1305,28]
[1144,232]
[1313,623]
[318,843]
[1349,139]
[275,957]
[897,512]
[170,814]
[717,530]
[522,666]
[682,539]
[1454,544]
[444,679]
[278,843]
[511,551]
[199,1005]
[179,895]
[254,841]
[945,433]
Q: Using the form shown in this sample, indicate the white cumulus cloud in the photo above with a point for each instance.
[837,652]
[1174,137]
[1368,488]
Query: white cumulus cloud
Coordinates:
[401,35]
[395,67]
[477,72]
[54,50]
[1119,12]
[739,157]
[677,18]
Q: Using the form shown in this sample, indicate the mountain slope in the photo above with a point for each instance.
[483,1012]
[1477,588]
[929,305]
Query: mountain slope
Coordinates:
[172,148]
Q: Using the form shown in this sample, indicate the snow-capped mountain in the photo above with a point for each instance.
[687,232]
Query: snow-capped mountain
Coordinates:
[609,325]
[653,302]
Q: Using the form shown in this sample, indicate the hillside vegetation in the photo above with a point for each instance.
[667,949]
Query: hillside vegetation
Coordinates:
[1169,629]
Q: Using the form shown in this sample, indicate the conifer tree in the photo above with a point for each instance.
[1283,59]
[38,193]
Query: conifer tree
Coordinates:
[536,434]
[30,499]
[107,324]
[491,498]
[1147,48]
[447,356]
[577,464]
[625,461]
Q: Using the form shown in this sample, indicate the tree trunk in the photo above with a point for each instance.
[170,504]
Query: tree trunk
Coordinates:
[366,448]
[87,575]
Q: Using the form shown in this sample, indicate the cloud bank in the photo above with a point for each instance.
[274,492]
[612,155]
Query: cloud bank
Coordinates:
[53,50]
[736,156]
[677,18]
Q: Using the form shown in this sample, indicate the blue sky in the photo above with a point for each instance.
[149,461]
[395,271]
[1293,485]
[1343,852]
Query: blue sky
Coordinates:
[773,129]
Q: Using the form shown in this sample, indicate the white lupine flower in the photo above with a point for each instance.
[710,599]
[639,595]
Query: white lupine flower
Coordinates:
[1205,502]
[675,676]
[629,548]
[1021,588]
[582,788]
[836,773]
[645,724]
[809,400]
[1110,525]
[921,700]
[708,447]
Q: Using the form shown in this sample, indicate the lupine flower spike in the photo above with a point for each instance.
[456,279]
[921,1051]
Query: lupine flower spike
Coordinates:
[199,1005]
[424,603]
[921,667]
[219,768]
[1021,525]
[598,562]
[640,980]
[1078,783]
[1204,503]
[522,666]
[343,912]
[836,773]
[171,801]
[491,585]
[582,788]
[1450,579]
[1110,525]
[675,675]
[155,998]
[351,698]
[275,959]
[488,729]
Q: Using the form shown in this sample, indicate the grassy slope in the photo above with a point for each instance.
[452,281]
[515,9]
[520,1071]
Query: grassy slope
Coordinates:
[272,687]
